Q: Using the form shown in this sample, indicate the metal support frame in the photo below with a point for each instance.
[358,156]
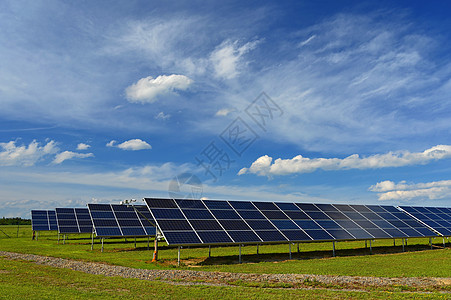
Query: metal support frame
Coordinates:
[430,242]
[92,240]
[148,242]
[58,238]
[394,243]
[64,239]
[135,242]
[333,248]
[239,257]
[209,251]
[102,244]
[289,244]
[444,244]
[298,248]
[178,256]
[403,248]
[366,245]
[371,248]
[257,249]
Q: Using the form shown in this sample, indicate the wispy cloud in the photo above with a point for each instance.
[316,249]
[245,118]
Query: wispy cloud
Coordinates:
[147,90]
[162,116]
[12,155]
[224,112]
[134,145]
[227,58]
[264,166]
[66,155]
[389,190]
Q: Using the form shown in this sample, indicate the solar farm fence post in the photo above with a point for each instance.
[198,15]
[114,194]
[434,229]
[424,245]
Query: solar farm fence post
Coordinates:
[333,248]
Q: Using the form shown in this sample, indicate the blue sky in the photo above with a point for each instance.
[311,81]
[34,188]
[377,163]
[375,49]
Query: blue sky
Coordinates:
[309,101]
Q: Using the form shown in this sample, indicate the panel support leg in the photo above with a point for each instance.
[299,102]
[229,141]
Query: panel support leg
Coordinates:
[333,248]
[257,249]
[178,257]
[155,252]
[64,239]
[102,244]
[37,235]
[290,249]
[92,241]
[298,248]
[430,242]
[403,249]
[58,238]
[394,243]
[209,251]
[148,242]
[371,249]
[239,256]
[135,242]
[366,245]
[444,244]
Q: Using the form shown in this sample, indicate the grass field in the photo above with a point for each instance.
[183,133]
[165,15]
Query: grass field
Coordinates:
[18,277]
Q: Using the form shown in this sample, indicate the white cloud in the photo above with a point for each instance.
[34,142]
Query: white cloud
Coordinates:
[162,116]
[13,155]
[147,89]
[389,190]
[264,166]
[60,157]
[224,112]
[134,144]
[83,146]
[227,58]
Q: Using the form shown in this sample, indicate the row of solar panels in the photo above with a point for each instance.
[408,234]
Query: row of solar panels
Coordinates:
[107,220]
[185,222]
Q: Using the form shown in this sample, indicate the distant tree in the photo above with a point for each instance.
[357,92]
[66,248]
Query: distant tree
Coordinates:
[14,221]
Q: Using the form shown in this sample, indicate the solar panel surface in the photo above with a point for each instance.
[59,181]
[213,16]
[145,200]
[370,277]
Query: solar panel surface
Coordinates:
[225,222]
[43,220]
[113,220]
[437,218]
[73,220]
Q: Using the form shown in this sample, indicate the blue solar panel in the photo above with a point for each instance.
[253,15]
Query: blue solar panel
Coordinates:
[254,222]
[43,220]
[111,220]
[437,219]
[73,220]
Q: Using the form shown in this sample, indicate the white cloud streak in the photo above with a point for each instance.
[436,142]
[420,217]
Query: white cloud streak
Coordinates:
[227,58]
[83,146]
[148,89]
[389,190]
[66,155]
[133,145]
[264,166]
[12,155]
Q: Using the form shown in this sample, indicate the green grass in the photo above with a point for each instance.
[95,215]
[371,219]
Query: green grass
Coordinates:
[315,258]
[31,281]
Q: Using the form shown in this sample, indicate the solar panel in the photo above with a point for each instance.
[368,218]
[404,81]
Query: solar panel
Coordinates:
[43,220]
[224,222]
[73,220]
[436,218]
[113,220]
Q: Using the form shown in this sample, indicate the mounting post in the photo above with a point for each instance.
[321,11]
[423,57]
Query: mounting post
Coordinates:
[371,249]
[430,242]
[92,240]
[135,242]
[289,244]
[155,252]
[239,257]
[58,238]
[333,248]
[209,251]
[394,243]
[178,257]
[298,248]
[148,242]
[403,249]
[444,244]
[102,244]
[64,239]
[257,249]
[366,245]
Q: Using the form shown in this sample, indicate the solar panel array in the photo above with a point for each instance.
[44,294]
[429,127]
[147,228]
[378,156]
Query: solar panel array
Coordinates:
[225,222]
[43,220]
[437,218]
[73,220]
[111,220]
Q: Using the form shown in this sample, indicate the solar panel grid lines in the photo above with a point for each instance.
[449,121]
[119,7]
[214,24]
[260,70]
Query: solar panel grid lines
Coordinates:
[114,220]
[219,222]
[73,220]
[437,219]
[43,220]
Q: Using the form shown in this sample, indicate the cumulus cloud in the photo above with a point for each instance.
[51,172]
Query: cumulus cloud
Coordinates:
[66,155]
[389,190]
[12,155]
[83,146]
[264,166]
[227,58]
[134,144]
[147,89]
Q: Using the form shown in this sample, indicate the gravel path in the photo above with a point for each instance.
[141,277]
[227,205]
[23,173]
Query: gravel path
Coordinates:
[226,278]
